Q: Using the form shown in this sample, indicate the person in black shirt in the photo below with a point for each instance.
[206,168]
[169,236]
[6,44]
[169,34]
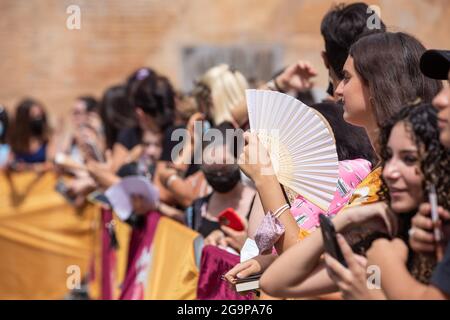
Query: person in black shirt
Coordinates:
[153,99]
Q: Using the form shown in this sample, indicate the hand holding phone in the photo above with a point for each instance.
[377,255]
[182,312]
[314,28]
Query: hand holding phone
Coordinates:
[329,239]
[230,218]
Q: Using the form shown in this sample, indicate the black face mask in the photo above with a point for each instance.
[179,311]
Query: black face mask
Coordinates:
[37,126]
[223,182]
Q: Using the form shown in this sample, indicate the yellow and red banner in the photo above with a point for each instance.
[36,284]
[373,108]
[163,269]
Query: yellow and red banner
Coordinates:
[46,246]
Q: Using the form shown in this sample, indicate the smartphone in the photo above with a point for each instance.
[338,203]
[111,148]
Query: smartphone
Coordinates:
[230,218]
[97,197]
[61,188]
[329,239]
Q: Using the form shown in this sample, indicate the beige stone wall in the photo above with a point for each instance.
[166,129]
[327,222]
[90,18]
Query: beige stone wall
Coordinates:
[40,57]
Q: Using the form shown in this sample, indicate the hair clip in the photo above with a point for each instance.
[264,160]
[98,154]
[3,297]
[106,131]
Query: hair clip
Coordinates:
[142,74]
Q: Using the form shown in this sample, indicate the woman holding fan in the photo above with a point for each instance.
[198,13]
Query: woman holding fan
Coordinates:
[372,91]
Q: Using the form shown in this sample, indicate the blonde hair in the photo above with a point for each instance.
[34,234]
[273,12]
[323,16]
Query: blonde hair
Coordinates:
[221,90]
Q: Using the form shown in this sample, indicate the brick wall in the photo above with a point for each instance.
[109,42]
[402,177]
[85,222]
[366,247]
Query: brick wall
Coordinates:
[40,57]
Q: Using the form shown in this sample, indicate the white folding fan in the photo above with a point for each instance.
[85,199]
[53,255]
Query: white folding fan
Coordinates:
[300,143]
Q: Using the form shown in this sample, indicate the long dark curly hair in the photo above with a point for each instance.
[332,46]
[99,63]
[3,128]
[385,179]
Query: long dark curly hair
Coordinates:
[421,122]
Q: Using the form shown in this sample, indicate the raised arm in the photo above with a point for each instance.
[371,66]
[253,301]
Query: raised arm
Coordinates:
[256,164]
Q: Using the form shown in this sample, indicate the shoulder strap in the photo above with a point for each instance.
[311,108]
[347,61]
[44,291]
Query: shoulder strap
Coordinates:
[251,206]
[197,211]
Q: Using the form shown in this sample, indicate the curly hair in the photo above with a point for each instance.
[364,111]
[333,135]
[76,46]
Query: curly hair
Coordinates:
[421,122]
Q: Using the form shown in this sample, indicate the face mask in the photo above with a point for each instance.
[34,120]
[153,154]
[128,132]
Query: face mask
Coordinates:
[268,233]
[37,126]
[223,182]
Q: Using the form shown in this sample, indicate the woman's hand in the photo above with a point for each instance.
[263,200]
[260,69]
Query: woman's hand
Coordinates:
[248,268]
[352,281]
[216,238]
[297,77]
[358,215]
[421,233]
[254,159]
[233,238]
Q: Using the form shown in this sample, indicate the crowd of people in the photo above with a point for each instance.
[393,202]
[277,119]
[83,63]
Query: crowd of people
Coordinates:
[388,106]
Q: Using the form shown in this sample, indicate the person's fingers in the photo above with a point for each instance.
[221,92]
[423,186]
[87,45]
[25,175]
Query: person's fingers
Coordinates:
[422,222]
[236,269]
[231,275]
[229,231]
[215,240]
[340,273]
[362,261]
[306,69]
[421,247]
[223,242]
[425,209]
[312,71]
[423,236]
[348,254]
[333,276]
[443,214]
[231,242]
[344,287]
[211,241]
[249,271]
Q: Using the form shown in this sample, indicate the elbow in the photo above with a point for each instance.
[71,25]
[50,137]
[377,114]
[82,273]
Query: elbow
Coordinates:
[269,286]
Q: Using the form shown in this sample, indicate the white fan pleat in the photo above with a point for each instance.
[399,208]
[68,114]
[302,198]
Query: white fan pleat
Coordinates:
[300,143]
